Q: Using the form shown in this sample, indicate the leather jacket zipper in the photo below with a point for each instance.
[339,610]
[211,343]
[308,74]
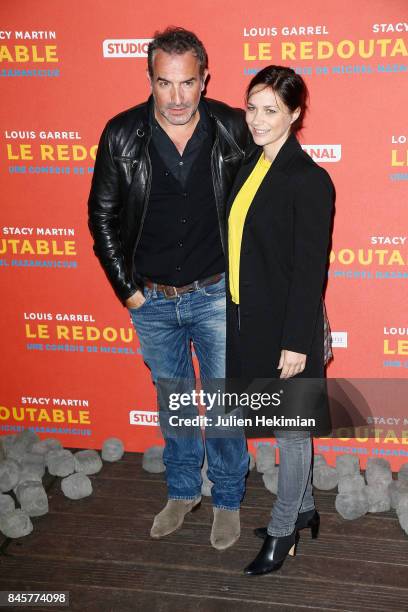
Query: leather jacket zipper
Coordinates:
[132,162]
[217,195]
[147,195]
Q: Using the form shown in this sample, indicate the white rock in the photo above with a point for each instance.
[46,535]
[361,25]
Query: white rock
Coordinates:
[15,524]
[270,480]
[153,460]
[403,521]
[351,507]
[30,472]
[9,474]
[325,477]
[402,505]
[396,489]
[350,484]
[60,462]
[378,498]
[76,486]
[7,503]
[7,442]
[403,472]
[88,462]
[347,465]
[319,460]
[265,458]
[44,446]
[378,471]
[20,444]
[33,498]
[112,449]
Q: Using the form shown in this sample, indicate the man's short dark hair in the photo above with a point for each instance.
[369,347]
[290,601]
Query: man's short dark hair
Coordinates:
[177,40]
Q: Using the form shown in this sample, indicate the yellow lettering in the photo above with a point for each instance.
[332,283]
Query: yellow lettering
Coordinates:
[4,413]
[43,415]
[247,55]
[288,50]
[391,437]
[62,332]
[58,416]
[395,161]
[306,50]
[399,48]
[84,418]
[264,51]
[21,53]
[42,247]
[325,49]
[26,247]
[77,333]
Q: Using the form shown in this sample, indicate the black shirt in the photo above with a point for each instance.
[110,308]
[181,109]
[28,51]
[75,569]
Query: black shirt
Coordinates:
[180,165]
[180,241]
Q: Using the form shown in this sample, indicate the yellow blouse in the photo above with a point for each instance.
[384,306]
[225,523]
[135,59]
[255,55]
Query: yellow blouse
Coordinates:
[236,221]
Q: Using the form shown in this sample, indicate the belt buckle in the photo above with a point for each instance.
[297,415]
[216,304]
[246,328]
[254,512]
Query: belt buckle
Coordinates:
[170,297]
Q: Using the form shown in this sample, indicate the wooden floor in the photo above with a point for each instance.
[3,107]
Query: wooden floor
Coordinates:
[99,549]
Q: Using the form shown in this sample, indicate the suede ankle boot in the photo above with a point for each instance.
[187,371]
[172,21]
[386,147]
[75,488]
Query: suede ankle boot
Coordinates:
[226,528]
[171,518]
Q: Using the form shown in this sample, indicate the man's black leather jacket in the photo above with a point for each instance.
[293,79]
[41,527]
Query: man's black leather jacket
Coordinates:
[122,178]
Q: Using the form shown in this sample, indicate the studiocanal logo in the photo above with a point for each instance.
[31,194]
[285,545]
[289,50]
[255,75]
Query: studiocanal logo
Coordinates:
[38,247]
[385,259]
[322,153]
[317,50]
[31,53]
[125,47]
[143,417]
[339,339]
[45,152]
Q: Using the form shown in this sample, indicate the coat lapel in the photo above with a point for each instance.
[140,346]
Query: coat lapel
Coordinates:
[277,173]
[244,171]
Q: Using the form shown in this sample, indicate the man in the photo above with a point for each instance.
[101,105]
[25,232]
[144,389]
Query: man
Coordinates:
[157,215]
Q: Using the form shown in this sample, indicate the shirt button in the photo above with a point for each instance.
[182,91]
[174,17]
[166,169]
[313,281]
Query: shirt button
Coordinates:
[166,173]
[183,220]
[181,163]
[178,268]
[180,244]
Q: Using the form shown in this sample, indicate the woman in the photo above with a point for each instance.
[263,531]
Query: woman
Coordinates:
[279,225]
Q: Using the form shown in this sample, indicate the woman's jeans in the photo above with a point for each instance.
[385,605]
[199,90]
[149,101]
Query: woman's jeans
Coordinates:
[166,329]
[294,481]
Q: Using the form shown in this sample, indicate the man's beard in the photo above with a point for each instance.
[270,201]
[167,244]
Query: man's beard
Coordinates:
[181,119]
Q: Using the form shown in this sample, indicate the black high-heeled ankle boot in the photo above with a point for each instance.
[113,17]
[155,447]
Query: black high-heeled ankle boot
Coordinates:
[272,554]
[310,518]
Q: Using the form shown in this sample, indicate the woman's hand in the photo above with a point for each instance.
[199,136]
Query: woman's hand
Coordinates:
[291,363]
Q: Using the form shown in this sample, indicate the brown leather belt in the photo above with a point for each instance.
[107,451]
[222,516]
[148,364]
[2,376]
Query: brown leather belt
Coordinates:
[171,292]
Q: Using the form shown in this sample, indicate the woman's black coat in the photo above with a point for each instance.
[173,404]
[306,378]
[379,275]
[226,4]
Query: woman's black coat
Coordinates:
[284,256]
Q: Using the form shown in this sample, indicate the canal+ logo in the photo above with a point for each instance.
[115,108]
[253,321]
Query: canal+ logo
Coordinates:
[125,47]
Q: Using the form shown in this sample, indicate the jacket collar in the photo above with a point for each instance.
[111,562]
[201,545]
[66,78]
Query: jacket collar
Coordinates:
[289,148]
[278,168]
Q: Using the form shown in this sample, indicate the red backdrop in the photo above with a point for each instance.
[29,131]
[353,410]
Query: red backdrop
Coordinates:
[71,364]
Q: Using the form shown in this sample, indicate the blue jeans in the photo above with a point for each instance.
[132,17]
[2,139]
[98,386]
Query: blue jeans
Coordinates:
[295,492]
[167,328]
